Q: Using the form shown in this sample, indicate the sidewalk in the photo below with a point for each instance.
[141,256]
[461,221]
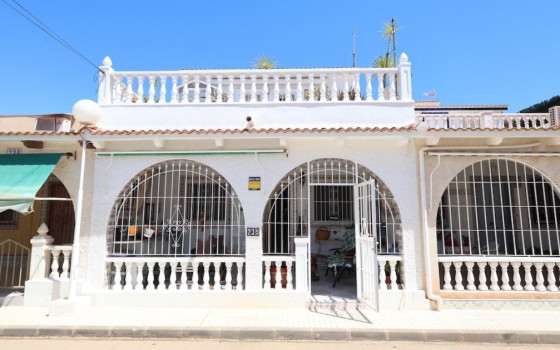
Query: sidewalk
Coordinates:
[282,324]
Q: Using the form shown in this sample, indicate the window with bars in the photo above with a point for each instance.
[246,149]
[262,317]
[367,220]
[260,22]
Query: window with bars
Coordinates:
[499,207]
[8,220]
[333,203]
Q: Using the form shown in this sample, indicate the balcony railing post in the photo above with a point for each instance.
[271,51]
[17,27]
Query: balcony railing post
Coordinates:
[301,263]
[105,93]
[404,79]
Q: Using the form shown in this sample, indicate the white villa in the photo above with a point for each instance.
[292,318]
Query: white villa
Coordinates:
[281,187]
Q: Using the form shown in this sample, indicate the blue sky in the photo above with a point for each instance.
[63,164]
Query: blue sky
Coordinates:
[470,52]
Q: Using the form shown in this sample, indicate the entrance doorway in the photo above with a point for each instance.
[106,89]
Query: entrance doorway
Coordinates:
[323,201]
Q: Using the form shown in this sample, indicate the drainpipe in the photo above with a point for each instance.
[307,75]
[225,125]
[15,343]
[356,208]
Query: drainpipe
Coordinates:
[78,225]
[429,291]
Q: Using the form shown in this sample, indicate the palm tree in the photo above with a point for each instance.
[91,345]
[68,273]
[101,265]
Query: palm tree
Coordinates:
[265,62]
[388,33]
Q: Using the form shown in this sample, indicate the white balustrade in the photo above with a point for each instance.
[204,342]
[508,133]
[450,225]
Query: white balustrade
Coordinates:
[189,274]
[326,85]
[503,273]
[59,257]
[278,272]
[390,272]
[486,121]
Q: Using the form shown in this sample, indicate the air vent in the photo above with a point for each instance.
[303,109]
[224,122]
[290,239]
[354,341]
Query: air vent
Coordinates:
[45,124]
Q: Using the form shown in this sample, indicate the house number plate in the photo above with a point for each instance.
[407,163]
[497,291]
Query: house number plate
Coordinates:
[252,231]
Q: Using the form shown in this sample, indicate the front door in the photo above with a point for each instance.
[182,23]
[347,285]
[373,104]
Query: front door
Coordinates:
[366,243]
[60,215]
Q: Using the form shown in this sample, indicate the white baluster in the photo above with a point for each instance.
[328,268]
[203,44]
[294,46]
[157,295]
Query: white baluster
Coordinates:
[228,283]
[505,276]
[516,276]
[162,89]
[458,276]
[140,92]
[242,90]
[206,276]
[493,276]
[208,91]
[288,87]
[334,88]
[119,276]
[220,88]
[482,276]
[446,276]
[323,88]
[380,87]
[528,276]
[128,96]
[267,275]
[357,89]
[150,279]
[54,263]
[66,263]
[174,279]
[240,276]
[369,96]
[161,276]
[551,279]
[173,89]
[128,276]
[382,275]
[289,275]
[152,89]
[253,88]
[185,82]
[264,97]
[392,87]
[117,90]
[196,98]
[276,89]
[230,94]
[299,87]
[393,274]
[470,275]
[311,87]
[540,278]
[346,88]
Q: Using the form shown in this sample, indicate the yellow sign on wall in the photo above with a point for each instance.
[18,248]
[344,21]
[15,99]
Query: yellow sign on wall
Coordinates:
[254,183]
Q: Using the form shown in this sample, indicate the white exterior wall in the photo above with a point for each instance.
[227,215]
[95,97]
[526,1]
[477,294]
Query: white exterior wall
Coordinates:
[392,160]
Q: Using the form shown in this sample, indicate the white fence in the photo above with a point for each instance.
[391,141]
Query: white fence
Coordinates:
[500,273]
[487,121]
[189,274]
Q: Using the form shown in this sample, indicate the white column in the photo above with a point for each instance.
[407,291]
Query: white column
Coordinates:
[470,275]
[405,79]
[242,90]
[220,89]
[253,88]
[208,94]
[382,277]
[482,276]
[550,277]
[66,263]
[380,87]
[185,83]
[299,87]
[174,89]
[458,276]
[539,277]
[301,263]
[230,94]
[140,91]
[264,97]
[54,263]
[323,89]
[393,274]
[228,279]
[267,274]
[516,276]
[505,276]
[528,277]
[346,88]
[104,92]
[493,276]
[196,98]
[288,87]
[311,87]
[392,87]
[369,96]
[276,91]
[162,89]
[447,276]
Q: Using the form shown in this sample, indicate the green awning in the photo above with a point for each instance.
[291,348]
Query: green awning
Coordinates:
[21,176]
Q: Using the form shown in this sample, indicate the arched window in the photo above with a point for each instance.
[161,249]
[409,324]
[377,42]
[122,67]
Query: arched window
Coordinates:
[321,193]
[177,208]
[499,207]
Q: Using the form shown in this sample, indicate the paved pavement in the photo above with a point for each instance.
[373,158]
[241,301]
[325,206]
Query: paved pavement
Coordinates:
[533,327]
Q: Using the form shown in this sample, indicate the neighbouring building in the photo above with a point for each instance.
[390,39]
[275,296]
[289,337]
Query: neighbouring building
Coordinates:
[280,187]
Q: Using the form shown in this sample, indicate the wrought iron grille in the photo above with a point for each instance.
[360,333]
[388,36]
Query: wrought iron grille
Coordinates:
[499,207]
[177,208]
[319,192]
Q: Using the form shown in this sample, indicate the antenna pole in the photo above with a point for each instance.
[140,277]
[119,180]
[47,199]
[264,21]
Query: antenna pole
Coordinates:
[353,47]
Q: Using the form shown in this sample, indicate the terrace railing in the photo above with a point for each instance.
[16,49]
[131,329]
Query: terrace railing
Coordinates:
[254,86]
[518,121]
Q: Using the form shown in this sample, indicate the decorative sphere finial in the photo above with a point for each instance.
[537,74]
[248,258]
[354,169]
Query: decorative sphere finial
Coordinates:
[86,112]
[107,62]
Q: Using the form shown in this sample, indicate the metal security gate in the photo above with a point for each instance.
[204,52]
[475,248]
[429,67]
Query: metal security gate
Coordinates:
[366,242]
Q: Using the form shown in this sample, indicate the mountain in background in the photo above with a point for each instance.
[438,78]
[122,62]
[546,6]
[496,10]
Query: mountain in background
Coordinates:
[542,107]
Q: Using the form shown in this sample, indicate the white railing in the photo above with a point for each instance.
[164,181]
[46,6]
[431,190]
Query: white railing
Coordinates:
[189,274]
[486,121]
[229,86]
[278,272]
[14,264]
[59,257]
[500,273]
[390,267]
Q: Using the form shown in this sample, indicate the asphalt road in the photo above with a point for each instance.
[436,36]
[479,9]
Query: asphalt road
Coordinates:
[158,344]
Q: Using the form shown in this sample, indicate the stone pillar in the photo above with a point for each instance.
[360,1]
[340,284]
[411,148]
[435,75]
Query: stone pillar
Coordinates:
[301,263]
[39,288]
[405,79]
